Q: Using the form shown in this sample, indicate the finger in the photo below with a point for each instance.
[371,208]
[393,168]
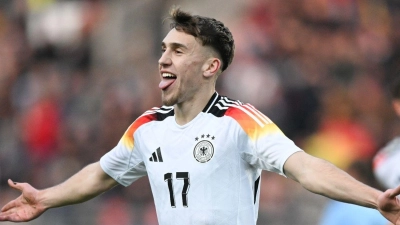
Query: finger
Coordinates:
[9,206]
[4,216]
[395,192]
[15,185]
[10,216]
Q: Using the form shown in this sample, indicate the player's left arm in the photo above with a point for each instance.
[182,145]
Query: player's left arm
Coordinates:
[322,177]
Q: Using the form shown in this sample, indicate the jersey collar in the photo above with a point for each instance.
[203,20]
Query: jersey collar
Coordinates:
[211,102]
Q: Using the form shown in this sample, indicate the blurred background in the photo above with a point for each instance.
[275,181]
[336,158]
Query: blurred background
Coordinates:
[75,74]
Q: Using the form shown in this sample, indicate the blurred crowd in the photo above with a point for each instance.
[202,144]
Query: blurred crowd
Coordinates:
[75,74]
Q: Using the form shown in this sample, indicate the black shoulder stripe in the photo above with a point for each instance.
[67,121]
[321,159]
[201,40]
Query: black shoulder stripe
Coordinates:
[222,103]
[160,112]
[164,112]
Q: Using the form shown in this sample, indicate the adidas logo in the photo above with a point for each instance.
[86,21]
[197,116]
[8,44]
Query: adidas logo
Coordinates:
[156,156]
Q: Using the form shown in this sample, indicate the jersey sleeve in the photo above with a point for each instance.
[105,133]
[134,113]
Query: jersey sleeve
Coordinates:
[262,144]
[124,163]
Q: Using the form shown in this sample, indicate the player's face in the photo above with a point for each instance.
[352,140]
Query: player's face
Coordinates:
[180,67]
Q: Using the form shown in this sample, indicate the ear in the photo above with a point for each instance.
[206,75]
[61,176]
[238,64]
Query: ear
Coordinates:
[396,106]
[211,67]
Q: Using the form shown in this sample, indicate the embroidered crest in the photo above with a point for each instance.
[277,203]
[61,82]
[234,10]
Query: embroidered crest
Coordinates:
[204,150]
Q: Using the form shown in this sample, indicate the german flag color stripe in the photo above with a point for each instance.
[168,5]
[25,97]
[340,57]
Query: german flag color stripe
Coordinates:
[252,121]
[127,138]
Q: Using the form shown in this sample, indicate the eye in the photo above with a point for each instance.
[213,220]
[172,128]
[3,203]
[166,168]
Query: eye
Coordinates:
[177,51]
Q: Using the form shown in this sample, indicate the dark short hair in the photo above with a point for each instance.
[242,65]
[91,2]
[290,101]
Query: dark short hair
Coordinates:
[209,31]
[395,88]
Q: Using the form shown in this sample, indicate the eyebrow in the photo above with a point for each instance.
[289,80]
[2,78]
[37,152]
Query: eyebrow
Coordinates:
[174,45]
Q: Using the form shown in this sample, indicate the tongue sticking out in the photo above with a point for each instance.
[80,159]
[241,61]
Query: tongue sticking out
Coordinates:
[165,83]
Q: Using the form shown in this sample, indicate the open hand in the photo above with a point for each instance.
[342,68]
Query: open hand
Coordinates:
[389,205]
[24,208]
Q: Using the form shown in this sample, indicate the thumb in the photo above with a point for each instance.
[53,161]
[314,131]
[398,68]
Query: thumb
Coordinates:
[15,185]
[395,192]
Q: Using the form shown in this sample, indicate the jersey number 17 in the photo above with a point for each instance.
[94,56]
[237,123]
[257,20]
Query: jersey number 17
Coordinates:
[168,177]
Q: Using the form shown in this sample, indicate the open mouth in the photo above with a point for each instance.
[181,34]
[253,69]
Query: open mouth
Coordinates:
[167,80]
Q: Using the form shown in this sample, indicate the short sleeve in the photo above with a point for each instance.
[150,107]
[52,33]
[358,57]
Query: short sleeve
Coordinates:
[261,142]
[124,162]
[123,165]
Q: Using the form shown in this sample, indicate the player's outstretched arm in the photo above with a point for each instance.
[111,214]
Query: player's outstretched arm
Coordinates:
[84,185]
[321,177]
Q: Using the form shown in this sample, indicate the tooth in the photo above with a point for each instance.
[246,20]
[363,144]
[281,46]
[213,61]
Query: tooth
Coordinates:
[168,75]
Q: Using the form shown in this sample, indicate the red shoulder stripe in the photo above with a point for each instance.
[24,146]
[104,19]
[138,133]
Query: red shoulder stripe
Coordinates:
[127,139]
[252,121]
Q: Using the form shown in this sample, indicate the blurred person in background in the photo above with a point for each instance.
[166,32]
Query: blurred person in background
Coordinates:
[386,162]
[233,142]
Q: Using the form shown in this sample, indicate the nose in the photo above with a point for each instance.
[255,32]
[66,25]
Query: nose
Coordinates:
[165,59]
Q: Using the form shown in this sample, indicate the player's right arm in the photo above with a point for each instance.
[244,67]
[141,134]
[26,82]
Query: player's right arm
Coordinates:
[84,185]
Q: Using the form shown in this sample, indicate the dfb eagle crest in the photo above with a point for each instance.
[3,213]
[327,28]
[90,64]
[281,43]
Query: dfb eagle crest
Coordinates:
[204,150]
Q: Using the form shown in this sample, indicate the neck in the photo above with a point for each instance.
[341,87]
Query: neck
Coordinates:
[186,111]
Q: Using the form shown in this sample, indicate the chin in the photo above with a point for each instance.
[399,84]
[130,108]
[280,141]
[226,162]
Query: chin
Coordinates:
[169,98]
[168,102]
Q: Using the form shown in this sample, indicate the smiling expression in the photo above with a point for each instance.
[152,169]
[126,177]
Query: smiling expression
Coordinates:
[181,67]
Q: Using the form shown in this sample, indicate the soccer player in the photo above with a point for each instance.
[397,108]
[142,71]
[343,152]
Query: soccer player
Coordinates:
[202,152]
[386,162]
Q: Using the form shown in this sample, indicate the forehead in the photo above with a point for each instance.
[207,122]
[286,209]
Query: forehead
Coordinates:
[179,37]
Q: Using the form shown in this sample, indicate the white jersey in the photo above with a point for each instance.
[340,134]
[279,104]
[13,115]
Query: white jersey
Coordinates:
[386,164]
[206,171]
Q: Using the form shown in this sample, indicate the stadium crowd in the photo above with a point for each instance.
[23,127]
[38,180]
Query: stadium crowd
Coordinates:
[75,74]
